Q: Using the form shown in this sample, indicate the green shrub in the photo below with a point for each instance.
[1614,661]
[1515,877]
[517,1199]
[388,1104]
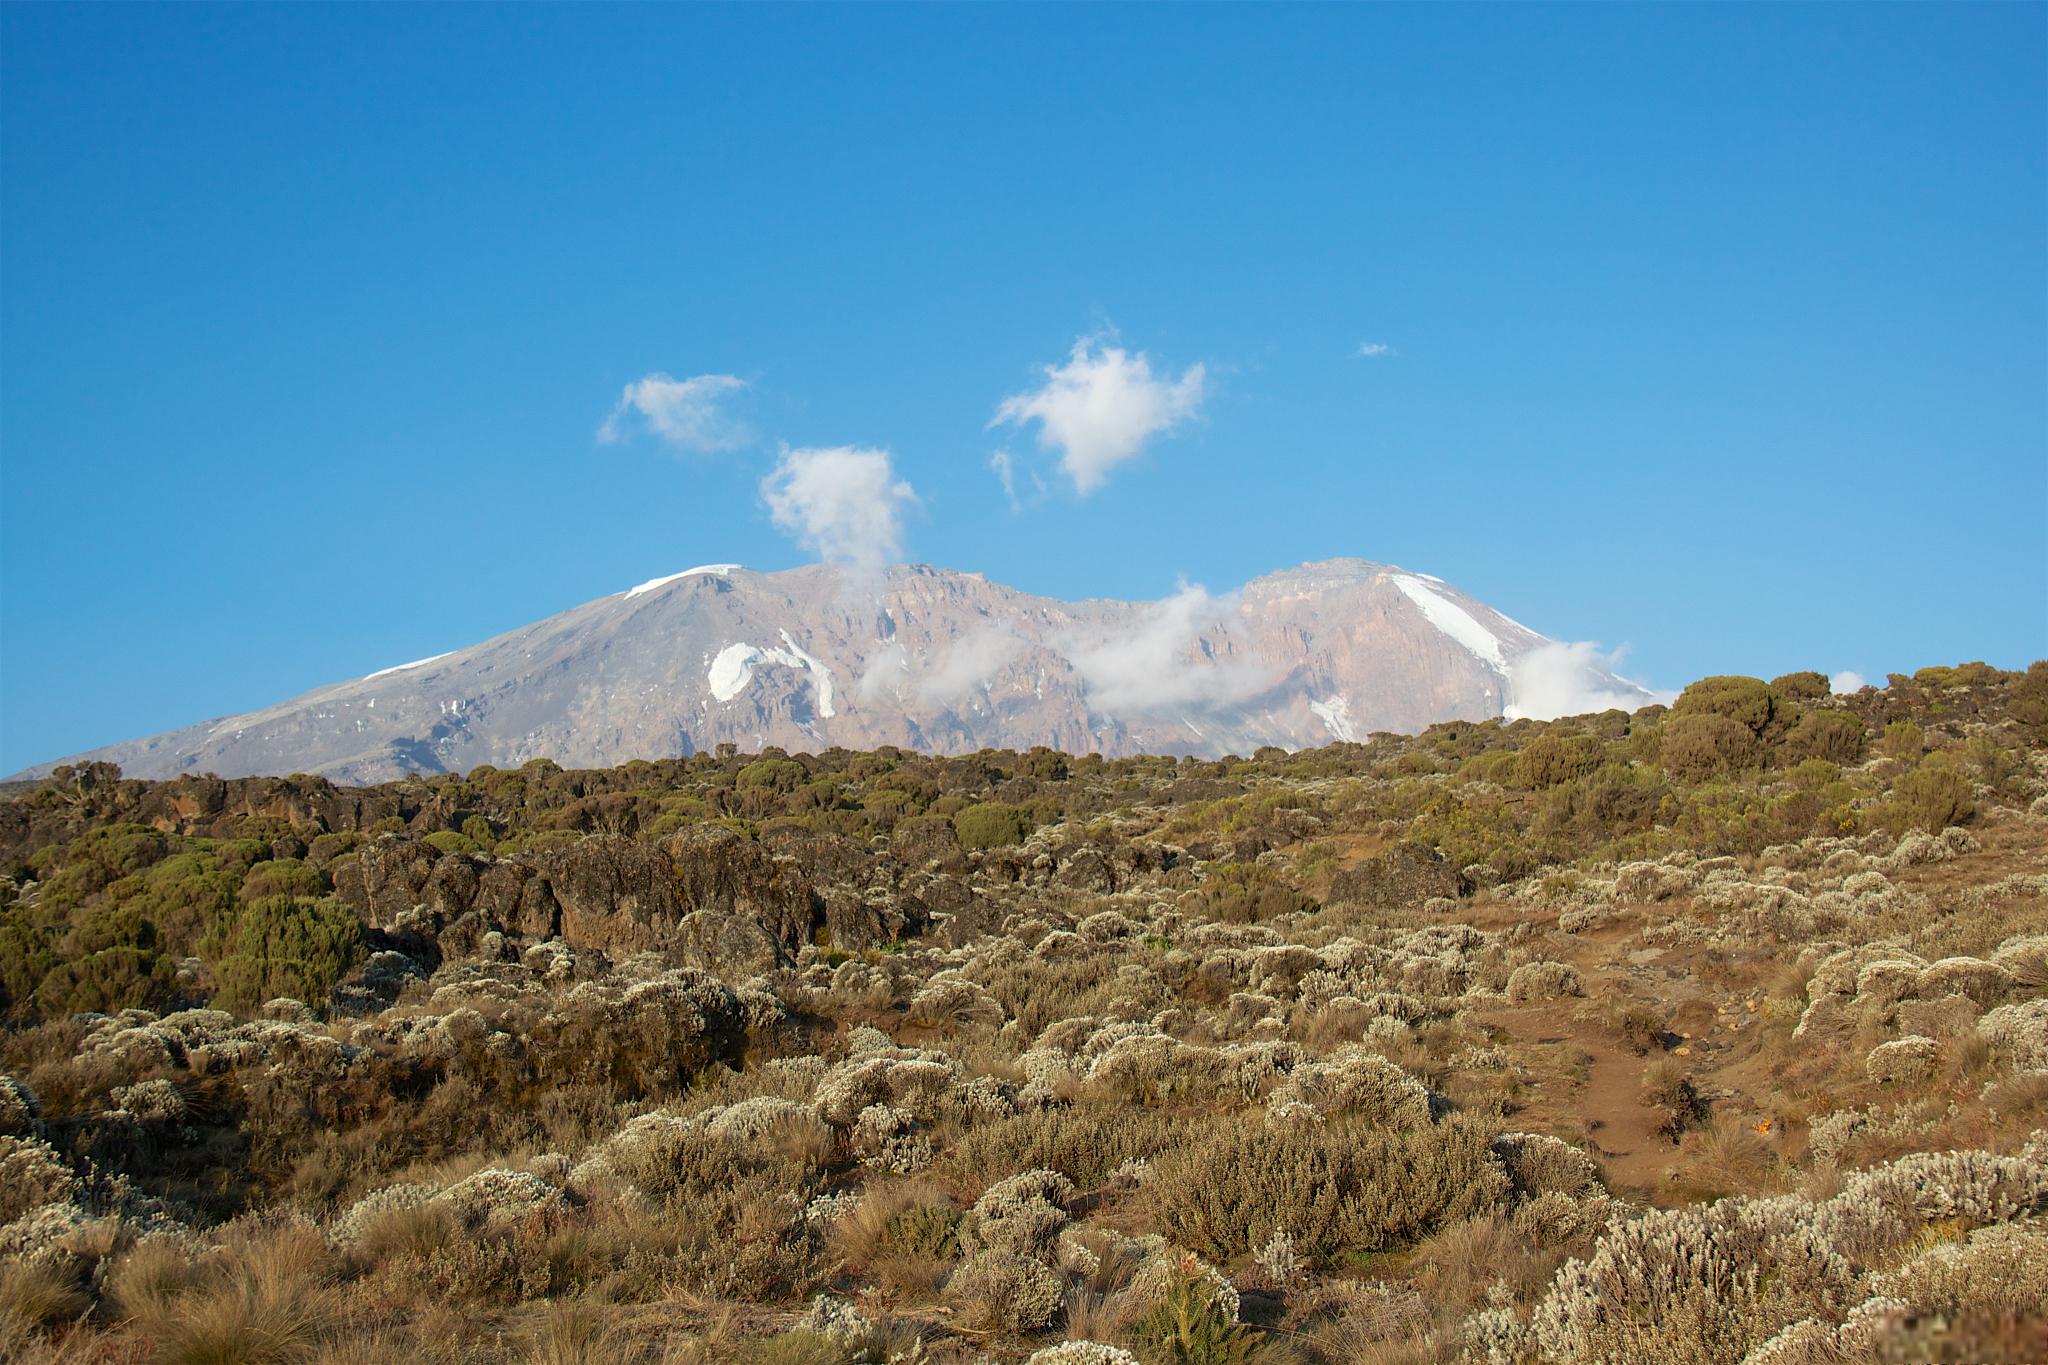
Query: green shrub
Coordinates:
[106,981]
[1704,745]
[1814,774]
[283,877]
[992,824]
[448,841]
[1550,760]
[1903,740]
[1803,686]
[772,774]
[1749,702]
[283,946]
[1190,1325]
[26,957]
[1245,893]
[1837,736]
[183,895]
[1935,795]
[1616,801]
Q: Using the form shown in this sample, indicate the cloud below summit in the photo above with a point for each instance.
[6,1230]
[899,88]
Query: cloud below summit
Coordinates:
[1100,407]
[1159,665]
[1572,679]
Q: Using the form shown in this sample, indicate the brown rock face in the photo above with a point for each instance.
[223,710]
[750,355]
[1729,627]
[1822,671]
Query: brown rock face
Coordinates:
[921,658]
[1403,877]
[705,896]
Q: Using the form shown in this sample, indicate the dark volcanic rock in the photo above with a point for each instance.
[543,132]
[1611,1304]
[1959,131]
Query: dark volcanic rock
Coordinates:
[1404,876]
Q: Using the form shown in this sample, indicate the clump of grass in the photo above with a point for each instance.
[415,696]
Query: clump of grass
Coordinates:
[263,1298]
[35,1294]
[905,1236]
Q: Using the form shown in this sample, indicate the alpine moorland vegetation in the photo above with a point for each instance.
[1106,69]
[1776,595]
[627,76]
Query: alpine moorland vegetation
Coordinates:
[1714,1033]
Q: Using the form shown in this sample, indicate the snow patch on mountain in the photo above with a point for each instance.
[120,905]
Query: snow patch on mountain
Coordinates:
[733,670]
[651,584]
[1335,714]
[818,671]
[400,668]
[1452,619]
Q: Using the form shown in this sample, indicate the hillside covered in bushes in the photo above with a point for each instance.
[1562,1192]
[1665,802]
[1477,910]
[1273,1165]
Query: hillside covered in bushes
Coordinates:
[1711,1033]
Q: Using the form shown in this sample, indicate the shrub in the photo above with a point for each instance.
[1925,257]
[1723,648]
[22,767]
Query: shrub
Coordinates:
[1903,740]
[1805,686]
[1549,760]
[1934,796]
[284,946]
[1189,1325]
[105,982]
[1246,893]
[1001,1290]
[992,824]
[1691,1287]
[282,877]
[1836,736]
[1749,702]
[1087,1144]
[1544,981]
[1694,748]
[1333,1188]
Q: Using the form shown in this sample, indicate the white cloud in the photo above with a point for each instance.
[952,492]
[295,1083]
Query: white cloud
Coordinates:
[1100,407]
[885,674]
[1159,666]
[1845,682]
[688,414]
[1557,679]
[844,504]
[1373,350]
[1006,472]
[974,658]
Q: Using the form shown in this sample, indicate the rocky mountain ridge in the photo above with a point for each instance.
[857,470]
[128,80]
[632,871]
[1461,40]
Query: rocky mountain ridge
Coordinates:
[922,658]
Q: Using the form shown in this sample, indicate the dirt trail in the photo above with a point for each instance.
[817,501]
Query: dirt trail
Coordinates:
[1588,1086]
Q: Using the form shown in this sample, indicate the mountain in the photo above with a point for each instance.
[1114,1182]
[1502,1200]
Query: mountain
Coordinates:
[918,657]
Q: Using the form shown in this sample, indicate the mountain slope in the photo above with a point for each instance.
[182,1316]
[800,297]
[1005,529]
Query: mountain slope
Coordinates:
[922,658]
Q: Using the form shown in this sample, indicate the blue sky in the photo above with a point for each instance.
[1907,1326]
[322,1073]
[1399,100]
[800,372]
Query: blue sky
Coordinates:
[1716,332]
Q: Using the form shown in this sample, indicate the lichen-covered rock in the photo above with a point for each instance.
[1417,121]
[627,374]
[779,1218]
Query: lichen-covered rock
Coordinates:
[1402,877]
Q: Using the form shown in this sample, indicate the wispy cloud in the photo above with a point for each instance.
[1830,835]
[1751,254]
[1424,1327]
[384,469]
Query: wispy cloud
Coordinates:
[1006,473]
[1577,679]
[1373,350]
[1100,407]
[1848,680]
[843,503]
[685,414]
[1159,664]
[969,664]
